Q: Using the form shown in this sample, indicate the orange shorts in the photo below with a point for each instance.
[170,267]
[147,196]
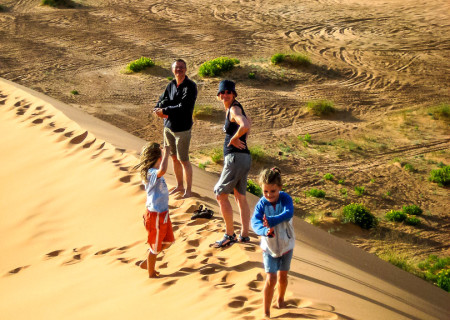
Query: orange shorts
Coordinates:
[159,228]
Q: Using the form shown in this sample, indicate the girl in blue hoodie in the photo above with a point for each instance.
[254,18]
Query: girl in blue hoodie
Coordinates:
[272,220]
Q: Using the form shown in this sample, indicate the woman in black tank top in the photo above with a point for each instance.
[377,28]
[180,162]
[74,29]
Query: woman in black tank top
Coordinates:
[237,161]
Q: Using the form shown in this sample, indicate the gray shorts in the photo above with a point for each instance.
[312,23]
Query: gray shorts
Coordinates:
[179,143]
[234,174]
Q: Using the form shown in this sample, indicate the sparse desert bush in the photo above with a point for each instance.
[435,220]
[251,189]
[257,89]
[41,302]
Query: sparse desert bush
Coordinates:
[441,176]
[320,107]
[409,167]
[412,210]
[74,92]
[441,112]
[358,214]
[254,188]
[343,191]
[294,59]
[2,8]
[412,221]
[202,111]
[277,58]
[251,75]
[328,176]
[395,215]
[297,200]
[359,191]
[140,64]
[342,181]
[317,193]
[257,153]
[216,155]
[313,219]
[217,66]
[56,3]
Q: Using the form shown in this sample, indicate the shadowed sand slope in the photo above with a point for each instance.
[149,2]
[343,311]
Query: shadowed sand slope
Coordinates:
[72,233]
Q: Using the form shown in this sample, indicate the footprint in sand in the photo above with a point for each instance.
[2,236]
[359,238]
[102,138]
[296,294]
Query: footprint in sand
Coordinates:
[16,270]
[53,254]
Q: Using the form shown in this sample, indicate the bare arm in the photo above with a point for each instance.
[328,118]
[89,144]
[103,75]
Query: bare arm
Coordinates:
[165,159]
[244,127]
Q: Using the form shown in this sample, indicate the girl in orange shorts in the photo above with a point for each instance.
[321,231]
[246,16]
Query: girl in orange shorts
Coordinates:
[152,166]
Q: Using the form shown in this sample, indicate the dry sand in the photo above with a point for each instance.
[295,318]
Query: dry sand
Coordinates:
[72,232]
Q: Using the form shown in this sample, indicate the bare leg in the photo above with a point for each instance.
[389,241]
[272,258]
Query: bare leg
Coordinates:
[244,209]
[187,168]
[151,261]
[282,285]
[269,288]
[227,212]
[178,171]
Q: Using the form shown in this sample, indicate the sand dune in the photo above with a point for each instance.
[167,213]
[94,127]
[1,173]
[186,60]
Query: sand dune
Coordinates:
[71,234]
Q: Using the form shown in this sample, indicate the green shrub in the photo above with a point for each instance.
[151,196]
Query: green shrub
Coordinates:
[2,8]
[56,3]
[342,181]
[257,153]
[140,64]
[320,107]
[254,188]
[307,138]
[441,176]
[202,111]
[343,191]
[397,216]
[359,191]
[297,200]
[412,210]
[328,176]
[360,215]
[277,58]
[298,59]
[443,279]
[251,75]
[412,221]
[216,155]
[217,66]
[409,167]
[317,193]
[202,166]
[74,92]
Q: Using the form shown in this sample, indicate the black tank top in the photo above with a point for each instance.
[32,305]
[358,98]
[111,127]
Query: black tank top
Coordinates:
[230,128]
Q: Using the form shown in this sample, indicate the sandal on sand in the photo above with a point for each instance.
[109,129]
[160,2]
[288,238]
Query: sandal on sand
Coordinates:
[202,213]
[226,241]
[243,239]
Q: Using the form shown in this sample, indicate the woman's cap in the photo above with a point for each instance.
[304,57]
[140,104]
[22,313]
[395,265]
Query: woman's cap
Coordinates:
[227,85]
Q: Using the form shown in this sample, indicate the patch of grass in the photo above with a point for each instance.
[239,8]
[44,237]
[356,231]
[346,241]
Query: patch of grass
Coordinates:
[320,107]
[346,144]
[372,180]
[359,191]
[293,59]
[313,219]
[409,167]
[257,152]
[412,221]
[254,188]
[74,92]
[204,165]
[217,66]
[317,193]
[412,210]
[440,112]
[358,214]
[285,148]
[328,176]
[202,111]
[58,3]
[342,181]
[297,200]
[140,64]
[251,75]
[343,191]
[396,216]
[216,155]
[441,176]
[306,139]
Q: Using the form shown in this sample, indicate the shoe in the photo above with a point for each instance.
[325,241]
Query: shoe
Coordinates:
[226,241]
[243,239]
